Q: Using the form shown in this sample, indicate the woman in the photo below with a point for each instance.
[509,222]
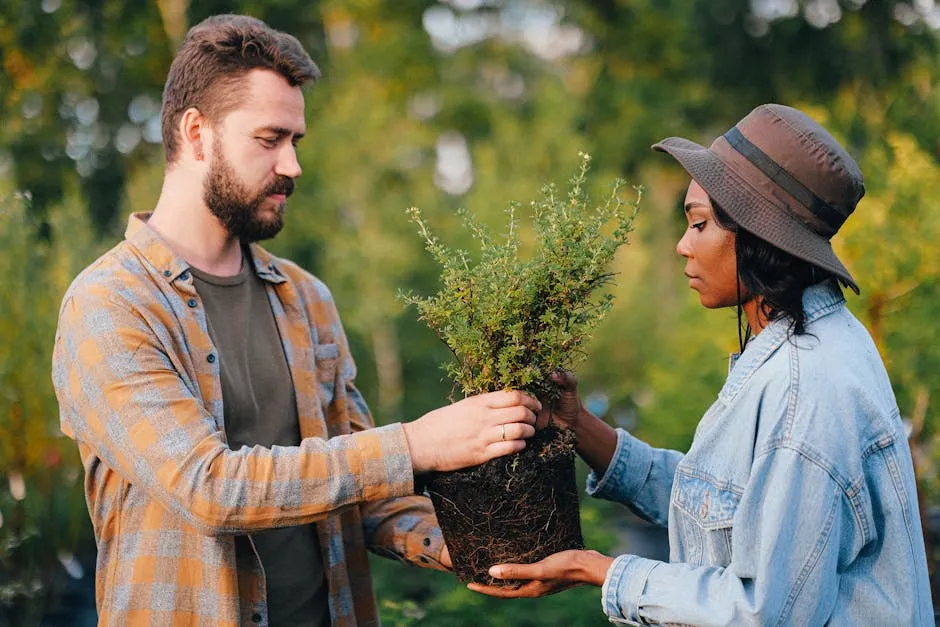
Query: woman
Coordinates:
[796,503]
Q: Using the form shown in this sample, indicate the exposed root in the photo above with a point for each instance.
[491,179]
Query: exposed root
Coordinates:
[521,508]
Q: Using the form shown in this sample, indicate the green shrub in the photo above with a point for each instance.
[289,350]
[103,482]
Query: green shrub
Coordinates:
[509,321]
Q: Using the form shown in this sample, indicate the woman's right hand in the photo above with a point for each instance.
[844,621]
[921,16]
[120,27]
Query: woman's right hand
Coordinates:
[597,440]
[567,408]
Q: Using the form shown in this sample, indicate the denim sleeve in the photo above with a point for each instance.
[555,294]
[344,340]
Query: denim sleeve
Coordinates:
[789,528]
[639,476]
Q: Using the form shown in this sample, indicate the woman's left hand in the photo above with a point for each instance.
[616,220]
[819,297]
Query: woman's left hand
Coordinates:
[553,574]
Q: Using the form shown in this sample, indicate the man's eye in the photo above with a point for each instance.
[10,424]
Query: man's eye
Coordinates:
[269,142]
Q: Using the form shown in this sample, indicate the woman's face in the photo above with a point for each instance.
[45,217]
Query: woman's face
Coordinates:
[709,252]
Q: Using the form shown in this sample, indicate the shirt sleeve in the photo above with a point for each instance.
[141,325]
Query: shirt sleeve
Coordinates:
[121,395]
[789,529]
[639,476]
[404,528]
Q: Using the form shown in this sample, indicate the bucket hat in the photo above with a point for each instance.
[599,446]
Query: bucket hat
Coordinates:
[782,177]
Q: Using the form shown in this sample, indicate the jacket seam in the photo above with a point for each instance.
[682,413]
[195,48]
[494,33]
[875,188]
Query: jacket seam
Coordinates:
[851,490]
[809,565]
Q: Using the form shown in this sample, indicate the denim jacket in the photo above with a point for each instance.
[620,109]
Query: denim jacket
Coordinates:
[796,503]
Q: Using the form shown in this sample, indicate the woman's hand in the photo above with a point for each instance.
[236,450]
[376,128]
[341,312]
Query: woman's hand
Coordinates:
[566,410]
[553,574]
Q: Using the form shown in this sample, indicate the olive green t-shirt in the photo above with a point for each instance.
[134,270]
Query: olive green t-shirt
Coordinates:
[260,409]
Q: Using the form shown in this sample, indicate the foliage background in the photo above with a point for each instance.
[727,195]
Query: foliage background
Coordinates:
[444,104]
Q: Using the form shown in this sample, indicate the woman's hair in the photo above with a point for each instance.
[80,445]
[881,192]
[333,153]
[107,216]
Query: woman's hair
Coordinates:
[777,276]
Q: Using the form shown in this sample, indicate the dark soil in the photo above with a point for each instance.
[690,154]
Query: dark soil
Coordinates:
[515,509]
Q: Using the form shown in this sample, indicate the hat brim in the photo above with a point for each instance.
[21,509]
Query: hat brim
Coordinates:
[752,210]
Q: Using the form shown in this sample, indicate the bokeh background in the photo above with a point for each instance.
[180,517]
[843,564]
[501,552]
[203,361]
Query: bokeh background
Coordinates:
[471,103]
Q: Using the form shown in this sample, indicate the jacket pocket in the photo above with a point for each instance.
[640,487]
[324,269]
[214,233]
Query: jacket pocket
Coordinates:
[707,507]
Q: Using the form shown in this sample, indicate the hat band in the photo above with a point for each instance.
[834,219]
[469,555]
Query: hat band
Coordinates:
[776,173]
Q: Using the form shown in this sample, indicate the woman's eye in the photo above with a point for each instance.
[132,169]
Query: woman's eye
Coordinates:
[698,226]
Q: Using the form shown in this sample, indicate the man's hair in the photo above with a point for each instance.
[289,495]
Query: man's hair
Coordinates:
[215,55]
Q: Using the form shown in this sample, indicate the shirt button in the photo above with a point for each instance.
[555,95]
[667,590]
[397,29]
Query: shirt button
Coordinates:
[427,542]
[185,275]
[167,273]
[256,617]
[192,302]
[211,358]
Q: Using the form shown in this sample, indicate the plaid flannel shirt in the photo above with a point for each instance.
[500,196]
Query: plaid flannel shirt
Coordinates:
[137,379]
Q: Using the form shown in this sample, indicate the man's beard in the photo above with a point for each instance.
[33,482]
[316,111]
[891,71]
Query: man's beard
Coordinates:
[236,208]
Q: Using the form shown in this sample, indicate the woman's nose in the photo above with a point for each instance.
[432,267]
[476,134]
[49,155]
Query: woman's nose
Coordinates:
[682,246]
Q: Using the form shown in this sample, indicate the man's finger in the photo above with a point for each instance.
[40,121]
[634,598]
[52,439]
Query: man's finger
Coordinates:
[500,448]
[513,431]
[511,398]
[517,413]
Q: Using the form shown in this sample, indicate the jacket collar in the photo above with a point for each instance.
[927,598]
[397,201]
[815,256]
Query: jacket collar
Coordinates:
[818,301]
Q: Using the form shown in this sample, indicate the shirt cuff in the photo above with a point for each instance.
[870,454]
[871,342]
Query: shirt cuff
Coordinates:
[623,588]
[386,469]
[628,470]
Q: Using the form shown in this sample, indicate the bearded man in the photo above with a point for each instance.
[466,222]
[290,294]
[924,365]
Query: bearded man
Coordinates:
[233,473]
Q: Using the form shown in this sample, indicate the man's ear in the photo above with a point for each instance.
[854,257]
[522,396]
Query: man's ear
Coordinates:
[194,132]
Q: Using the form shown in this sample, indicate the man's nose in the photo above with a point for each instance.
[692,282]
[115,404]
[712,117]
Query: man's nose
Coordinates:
[287,164]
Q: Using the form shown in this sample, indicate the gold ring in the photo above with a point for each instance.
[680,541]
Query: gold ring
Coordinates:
[504,431]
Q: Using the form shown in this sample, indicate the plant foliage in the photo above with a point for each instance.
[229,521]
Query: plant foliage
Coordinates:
[510,322]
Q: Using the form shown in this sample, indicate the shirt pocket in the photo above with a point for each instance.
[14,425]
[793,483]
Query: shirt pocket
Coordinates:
[706,508]
[326,357]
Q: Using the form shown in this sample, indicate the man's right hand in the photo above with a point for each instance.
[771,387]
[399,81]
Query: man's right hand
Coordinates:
[471,431]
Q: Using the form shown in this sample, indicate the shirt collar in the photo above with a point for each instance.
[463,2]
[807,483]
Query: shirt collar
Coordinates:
[170,265]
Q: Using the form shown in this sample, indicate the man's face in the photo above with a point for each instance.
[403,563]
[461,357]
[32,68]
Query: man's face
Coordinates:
[253,161]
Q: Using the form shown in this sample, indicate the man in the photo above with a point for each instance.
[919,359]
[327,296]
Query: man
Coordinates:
[233,472]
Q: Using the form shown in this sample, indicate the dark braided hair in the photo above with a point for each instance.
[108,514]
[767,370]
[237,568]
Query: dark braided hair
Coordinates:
[777,276]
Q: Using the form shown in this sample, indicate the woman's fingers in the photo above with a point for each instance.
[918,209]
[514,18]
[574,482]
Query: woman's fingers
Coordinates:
[564,379]
[530,590]
[517,571]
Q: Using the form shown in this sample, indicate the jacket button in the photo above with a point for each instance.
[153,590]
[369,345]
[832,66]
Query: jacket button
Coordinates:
[192,302]
[185,275]
[427,542]
[256,617]
[167,273]
[210,358]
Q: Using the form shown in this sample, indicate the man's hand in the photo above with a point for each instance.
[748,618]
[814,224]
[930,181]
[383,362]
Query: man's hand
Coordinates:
[472,431]
[566,410]
[553,574]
